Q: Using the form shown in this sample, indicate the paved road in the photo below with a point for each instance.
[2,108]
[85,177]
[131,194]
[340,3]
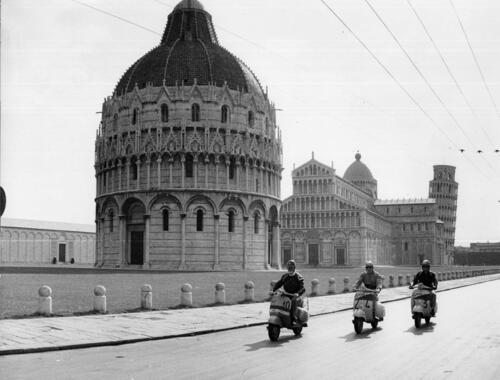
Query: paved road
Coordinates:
[462,343]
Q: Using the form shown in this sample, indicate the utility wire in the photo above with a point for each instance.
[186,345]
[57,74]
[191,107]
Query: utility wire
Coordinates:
[117,17]
[388,72]
[449,71]
[424,79]
[475,59]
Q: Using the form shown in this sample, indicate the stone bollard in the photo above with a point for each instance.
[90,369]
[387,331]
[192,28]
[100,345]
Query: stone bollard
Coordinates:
[249,291]
[187,295]
[400,280]
[45,300]
[391,281]
[100,299]
[146,297]
[315,287]
[448,276]
[439,276]
[331,285]
[220,293]
[408,279]
[346,285]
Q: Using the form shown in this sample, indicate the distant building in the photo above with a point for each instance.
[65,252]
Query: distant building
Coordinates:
[478,254]
[40,242]
[332,220]
[188,158]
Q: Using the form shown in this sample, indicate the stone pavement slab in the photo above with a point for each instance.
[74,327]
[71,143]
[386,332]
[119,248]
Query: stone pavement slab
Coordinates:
[56,333]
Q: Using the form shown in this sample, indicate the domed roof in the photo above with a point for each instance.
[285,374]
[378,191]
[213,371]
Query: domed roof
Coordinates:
[358,172]
[189,52]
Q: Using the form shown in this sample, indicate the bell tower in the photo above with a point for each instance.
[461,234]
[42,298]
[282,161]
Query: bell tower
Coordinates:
[444,189]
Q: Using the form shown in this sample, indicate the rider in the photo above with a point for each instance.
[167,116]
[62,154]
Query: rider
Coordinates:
[429,279]
[293,283]
[371,279]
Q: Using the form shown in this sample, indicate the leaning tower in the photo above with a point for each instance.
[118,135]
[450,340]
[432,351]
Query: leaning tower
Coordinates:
[188,158]
[444,189]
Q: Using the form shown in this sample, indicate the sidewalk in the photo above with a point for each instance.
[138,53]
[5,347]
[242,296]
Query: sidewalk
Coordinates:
[59,333]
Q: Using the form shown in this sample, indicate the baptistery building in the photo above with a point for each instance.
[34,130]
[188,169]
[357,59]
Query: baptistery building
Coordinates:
[188,158]
[332,220]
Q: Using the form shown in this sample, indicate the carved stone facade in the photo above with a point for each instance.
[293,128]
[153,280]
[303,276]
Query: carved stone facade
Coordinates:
[331,220]
[188,166]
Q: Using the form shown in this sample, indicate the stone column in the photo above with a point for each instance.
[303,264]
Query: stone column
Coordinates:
[138,182]
[276,246]
[120,166]
[147,222]
[227,172]
[246,176]
[195,170]
[122,235]
[183,164]
[207,168]
[182,265]
[266,245]
[158,162]
[245,220]
[127,164]
[101,239]
[148,173]
[216,265]
[170,164]
[217,172]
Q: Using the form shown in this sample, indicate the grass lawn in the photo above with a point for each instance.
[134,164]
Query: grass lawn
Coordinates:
[73,292]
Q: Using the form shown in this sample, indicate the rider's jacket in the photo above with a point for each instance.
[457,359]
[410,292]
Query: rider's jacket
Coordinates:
[371,280]
[291,283]
[427,278]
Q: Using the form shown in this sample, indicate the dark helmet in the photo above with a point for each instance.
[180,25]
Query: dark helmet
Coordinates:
[426,263]
[291,262]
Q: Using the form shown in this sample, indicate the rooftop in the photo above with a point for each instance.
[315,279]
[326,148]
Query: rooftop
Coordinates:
[46,225]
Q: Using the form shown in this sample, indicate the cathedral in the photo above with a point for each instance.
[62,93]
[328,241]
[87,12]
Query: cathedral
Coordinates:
[188,158]
[331,220]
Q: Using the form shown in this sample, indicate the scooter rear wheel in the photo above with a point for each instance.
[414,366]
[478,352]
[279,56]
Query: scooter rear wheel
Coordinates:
[274,332]
[418,319]
[358,325]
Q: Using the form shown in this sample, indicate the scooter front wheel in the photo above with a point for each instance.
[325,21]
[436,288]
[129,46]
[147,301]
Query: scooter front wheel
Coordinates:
[358,325]
[374,324]
[297,330]
[418,319]
[274,332]
[427,320]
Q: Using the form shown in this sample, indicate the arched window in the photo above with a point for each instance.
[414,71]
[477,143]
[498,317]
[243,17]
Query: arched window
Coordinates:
[188,165]
[195,112]
[135,116]
[224,113]
[199,220]
[256,218]
[165,219]
[115,122]
[111,216]
[230,221]
[164,113]
[256,185]
[251,119]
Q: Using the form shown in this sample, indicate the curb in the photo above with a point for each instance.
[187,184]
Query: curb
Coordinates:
[18,351]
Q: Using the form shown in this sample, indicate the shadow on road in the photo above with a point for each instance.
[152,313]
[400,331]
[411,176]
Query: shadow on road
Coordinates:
[365,334]
[422,330]
[266,343]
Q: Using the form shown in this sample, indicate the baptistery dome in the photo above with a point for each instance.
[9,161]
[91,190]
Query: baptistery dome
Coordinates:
[359,174]
[188,158]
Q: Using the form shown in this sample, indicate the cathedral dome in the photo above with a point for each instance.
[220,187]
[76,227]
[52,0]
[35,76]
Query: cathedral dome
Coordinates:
[358,171]
[189,53]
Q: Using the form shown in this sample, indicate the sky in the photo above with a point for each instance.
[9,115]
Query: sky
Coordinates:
[407,83]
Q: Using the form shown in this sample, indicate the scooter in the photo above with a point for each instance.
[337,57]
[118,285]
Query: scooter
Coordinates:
[421,304]
[279,314]
[366,309]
